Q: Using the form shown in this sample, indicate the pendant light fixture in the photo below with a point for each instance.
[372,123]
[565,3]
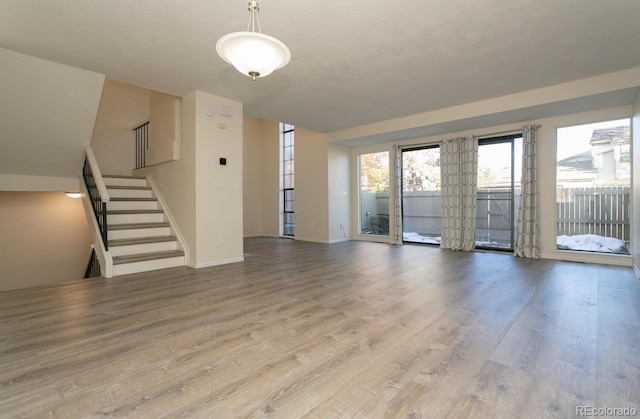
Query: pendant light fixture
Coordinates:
[253,53]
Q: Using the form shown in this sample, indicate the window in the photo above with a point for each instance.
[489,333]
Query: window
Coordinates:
[498,194]
[421,195]
[593,181]
[374,193]
[287,185]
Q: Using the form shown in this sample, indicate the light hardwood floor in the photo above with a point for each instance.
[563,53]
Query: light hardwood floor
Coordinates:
[353,329]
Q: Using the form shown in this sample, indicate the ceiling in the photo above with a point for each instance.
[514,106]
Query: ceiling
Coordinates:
[353,63]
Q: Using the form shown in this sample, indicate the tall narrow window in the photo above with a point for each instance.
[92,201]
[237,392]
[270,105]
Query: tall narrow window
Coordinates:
[498,194]
[593,181]
[421,195]
[374,193]
[287,185]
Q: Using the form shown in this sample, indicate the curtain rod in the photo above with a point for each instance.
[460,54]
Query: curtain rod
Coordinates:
[498,134]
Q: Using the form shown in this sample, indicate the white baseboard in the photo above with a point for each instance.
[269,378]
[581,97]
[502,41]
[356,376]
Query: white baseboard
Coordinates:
[305,239]
[216,262]
[344,239]
[636,270]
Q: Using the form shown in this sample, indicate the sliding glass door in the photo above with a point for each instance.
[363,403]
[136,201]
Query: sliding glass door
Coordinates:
[421,195]
[498,196]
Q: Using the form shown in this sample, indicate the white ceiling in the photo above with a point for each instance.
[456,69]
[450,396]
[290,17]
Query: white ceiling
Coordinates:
[353,63]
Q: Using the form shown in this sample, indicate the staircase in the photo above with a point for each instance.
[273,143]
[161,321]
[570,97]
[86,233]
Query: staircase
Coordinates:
[139,234]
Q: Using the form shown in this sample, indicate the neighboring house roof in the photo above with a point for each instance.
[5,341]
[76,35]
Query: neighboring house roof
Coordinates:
[613,136]
[582,161]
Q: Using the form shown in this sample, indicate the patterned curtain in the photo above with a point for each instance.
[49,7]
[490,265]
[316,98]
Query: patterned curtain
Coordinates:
[458,172]
[396,191]
[527,235]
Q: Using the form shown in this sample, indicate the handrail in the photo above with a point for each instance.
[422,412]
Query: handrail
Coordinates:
[97,175]
[142,144]
[99,200]
[93,267]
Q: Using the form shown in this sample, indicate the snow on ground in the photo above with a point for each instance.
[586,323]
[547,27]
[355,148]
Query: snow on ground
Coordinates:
[592,243]
[417,238]
[584,242]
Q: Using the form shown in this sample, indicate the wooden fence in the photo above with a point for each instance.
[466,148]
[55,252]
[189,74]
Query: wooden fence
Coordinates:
[603,211]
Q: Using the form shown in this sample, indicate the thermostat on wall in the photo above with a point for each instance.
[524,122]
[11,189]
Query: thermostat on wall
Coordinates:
[225,110]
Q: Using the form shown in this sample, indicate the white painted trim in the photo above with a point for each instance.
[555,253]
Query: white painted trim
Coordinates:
[172,222]
[305,239]
[590,257]
[216,262]
[97,175]
[104,256]
[636,271]
[339,240]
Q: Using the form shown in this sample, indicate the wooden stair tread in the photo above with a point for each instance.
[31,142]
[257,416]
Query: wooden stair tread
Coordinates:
[140,188]
[141,240]
[134,199]
[123,177]
[130,226]
[141,257]
[134,211]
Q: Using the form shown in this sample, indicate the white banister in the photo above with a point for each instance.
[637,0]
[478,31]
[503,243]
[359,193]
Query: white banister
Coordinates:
[97,175]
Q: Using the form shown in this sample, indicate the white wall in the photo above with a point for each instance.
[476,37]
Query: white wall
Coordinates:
[45,239]
[122,108]
[47,114]
[635,174]
[546,176]
[339,193]
[218,191]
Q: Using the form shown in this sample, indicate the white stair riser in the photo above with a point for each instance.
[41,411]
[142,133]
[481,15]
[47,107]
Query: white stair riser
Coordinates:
[124,181]
[130,193]
[147,265]
[135,233]
[142,248]
[132,205]
[135,218]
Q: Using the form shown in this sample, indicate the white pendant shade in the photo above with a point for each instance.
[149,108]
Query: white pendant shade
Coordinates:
[253,54]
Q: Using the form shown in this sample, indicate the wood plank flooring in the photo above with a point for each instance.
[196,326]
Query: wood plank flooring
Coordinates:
[353,329]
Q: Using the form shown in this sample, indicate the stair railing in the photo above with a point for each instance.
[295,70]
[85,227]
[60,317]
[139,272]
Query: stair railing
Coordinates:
[98,194]
[142,144]
[93,267]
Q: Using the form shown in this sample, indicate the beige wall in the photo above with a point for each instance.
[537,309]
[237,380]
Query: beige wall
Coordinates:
[635,221]
[261,179]
[270,178]
[546,176]
[204,197]
[311,186]
[165,128]
[252,180]
[122,108]
[339,193]
[177,179]
[321,182]
[45,239]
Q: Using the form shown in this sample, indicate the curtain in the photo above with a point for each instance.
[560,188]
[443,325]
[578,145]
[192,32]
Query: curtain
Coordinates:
[527,235]
[396,195]
[458,172]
